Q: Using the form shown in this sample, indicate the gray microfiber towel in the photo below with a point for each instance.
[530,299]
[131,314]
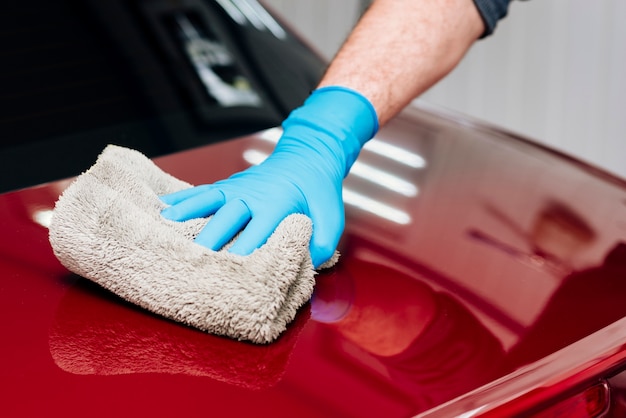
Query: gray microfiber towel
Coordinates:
[107,227]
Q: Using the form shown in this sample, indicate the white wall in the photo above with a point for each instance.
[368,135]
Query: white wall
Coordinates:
[555,71]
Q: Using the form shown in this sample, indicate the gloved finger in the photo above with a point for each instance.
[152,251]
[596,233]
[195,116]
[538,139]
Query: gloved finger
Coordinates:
[224,225]
[254,235]
[198,205]
[179,196]
[327,229]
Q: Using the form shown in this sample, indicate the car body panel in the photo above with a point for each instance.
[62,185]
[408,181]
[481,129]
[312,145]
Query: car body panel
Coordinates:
[459,237]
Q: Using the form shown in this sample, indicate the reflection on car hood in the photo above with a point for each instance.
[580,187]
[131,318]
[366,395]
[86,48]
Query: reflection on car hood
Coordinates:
[463,244]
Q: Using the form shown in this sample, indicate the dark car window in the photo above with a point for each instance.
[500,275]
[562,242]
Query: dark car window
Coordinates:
[157,76]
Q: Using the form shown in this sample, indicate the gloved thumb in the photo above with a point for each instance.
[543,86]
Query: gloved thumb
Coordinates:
[328,226]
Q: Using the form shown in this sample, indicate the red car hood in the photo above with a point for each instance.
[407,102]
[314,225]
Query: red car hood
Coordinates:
[468,253]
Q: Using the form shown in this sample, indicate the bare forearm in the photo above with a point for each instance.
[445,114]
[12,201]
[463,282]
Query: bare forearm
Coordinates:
[400,48]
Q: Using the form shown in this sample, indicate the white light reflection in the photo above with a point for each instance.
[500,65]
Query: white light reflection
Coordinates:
[232,11]
[271,134]
[375,207]
[43,217]
[376,146]
[396,153]
[383,178]
[471,413]
[248,12]
[268,20]
[372,174]
[242,11]
[350,197]
[254,157]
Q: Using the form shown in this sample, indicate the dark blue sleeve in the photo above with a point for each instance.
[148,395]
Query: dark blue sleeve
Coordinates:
[491,11]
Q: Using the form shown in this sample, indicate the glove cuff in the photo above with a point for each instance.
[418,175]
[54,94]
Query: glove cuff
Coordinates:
[339,114]
[351,105]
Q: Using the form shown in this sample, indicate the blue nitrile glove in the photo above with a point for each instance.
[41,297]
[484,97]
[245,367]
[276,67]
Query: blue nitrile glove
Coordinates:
[320,142]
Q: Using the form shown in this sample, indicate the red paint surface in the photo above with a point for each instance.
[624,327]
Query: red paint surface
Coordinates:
[505,242]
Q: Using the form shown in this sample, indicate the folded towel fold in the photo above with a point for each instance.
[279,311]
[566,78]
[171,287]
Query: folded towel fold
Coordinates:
[107,227]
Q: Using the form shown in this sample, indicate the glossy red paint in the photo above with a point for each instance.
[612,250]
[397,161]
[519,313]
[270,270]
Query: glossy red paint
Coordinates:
[465,249]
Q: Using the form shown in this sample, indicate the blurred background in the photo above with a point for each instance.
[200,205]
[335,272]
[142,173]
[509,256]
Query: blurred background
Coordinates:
[554,71]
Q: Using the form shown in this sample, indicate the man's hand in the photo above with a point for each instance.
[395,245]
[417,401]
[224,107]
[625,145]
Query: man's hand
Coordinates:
[304,175]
